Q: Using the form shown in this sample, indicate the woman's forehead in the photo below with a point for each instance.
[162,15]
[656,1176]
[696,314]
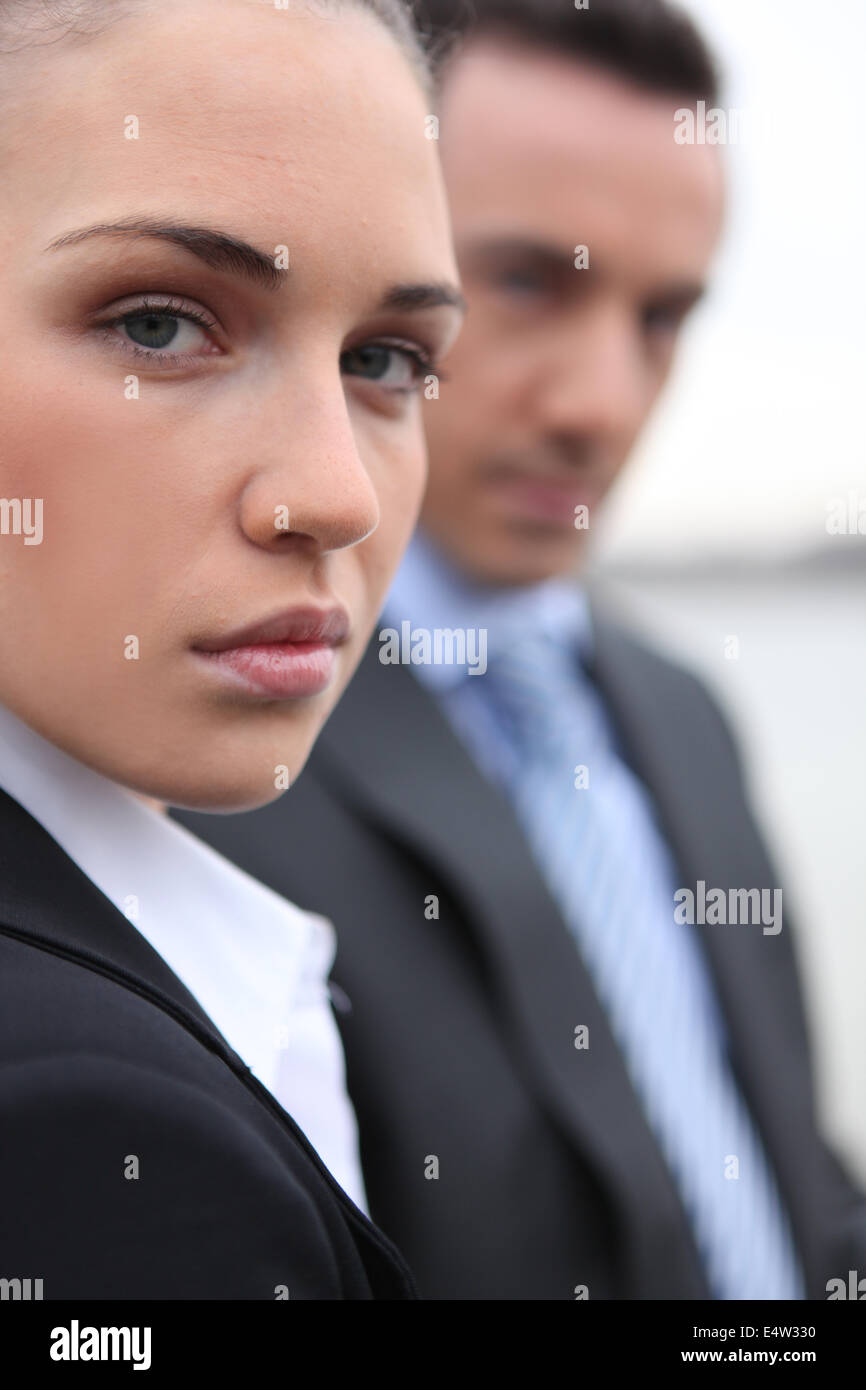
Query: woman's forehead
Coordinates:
[309,132]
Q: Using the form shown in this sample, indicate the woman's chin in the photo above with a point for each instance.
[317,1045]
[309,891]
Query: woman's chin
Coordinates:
[221,790]
[222,803]
[225,795]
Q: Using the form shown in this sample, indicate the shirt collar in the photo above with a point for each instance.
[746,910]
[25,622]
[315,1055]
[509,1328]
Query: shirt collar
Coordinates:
[430,593]
[242,950]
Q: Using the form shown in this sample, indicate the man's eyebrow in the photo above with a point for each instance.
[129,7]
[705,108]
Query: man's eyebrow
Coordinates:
[686,295]
[510,245]
[216,249]
[557,261]
[549,258]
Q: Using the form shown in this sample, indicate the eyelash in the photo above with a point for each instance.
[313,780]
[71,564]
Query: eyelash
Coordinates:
[423,361]
[166,308]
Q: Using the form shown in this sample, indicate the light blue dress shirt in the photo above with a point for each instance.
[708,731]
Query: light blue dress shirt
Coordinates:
[429,594]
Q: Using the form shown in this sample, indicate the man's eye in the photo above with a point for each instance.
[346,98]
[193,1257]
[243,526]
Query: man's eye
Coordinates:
[520,282]
[663,320]
[394,367]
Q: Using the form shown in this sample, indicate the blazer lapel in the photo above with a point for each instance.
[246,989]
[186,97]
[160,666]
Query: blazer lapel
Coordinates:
[396,757]
[72,918]
[76,919]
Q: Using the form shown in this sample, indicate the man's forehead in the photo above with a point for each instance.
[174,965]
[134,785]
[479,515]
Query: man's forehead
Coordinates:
[576,152]
[515,100]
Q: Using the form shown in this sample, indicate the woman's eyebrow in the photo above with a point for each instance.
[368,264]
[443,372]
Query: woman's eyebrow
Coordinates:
[431,296]
[216,249]
[222,251]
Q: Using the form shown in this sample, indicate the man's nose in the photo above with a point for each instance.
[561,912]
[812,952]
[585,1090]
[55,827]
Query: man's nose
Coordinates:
[597,385]
[311,483]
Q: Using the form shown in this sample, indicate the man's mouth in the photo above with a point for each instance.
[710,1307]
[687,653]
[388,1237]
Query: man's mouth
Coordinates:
[542,497]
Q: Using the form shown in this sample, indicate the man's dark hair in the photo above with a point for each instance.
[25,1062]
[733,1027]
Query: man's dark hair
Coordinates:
[650,43]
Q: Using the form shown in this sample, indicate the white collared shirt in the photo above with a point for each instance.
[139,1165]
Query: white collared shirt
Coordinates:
[257,964]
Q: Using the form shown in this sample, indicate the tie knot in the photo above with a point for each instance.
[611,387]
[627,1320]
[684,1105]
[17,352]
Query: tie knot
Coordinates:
[533,682]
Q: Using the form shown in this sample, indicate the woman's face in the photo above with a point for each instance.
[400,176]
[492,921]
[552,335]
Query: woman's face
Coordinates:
[224,444]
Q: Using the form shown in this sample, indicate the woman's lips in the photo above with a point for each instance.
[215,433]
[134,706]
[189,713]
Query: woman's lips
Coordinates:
[289,655]
[281,670]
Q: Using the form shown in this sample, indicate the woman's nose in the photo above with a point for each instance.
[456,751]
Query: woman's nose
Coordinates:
[310,480]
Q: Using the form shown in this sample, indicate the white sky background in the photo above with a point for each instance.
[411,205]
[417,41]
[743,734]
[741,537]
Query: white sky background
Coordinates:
[763,421]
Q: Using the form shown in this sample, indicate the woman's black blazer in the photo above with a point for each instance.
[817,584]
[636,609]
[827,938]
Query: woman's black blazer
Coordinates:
[139,1156]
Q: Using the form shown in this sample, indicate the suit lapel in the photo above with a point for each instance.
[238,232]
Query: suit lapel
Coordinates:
[45,899]
[395,756]
[75,919]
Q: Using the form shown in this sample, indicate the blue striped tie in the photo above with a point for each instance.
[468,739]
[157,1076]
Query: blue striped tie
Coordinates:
[608,868]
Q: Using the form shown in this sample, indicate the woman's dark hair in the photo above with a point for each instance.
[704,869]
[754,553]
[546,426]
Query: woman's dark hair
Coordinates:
[651,43]
[28,23]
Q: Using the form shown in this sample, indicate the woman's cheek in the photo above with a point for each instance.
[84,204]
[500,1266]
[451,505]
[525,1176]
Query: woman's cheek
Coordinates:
[108,538]
[400,494]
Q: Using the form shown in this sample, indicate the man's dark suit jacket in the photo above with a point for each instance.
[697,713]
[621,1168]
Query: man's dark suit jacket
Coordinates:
[460,1039]
[105,1056]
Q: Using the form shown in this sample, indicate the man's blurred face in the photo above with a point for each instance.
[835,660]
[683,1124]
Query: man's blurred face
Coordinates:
[557,367]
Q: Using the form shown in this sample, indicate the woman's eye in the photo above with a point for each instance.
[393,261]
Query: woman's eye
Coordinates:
[156,331]
[396,368]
